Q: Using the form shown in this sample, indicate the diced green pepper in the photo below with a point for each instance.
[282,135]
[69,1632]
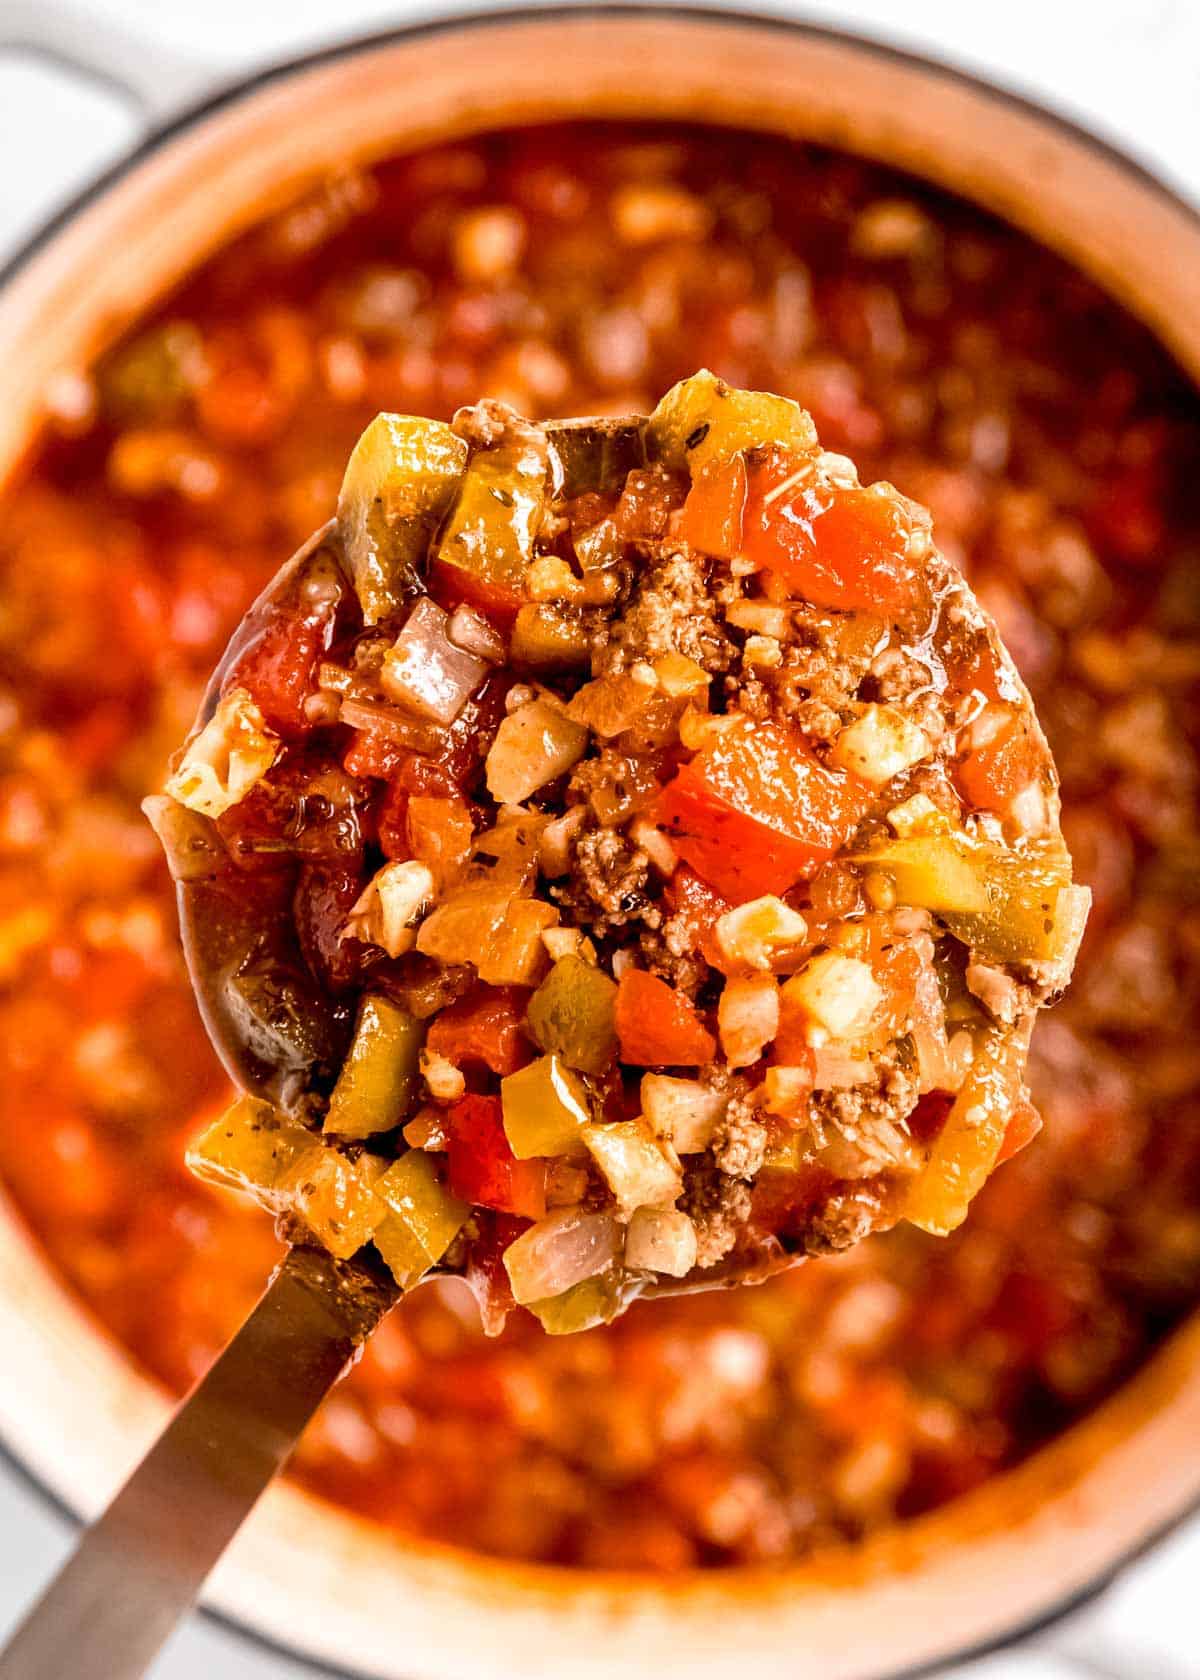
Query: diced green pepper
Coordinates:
[398,483]
[250,1148]
[597,1300]
[335,1197]
[545,1109]
[1008,904]
[493,527]
[423,1220]
[702,420]
[571,1015]
[378,1077]
[593,455]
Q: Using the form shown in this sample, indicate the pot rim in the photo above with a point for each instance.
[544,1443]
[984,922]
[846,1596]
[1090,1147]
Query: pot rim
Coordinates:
[244,88]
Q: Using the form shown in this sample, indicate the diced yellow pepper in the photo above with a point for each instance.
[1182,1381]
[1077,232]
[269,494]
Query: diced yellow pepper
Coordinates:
[250,1148]
[639,1174]
[702,419]
[571,1015]
[548,637]
[335,1197]
[423,1220]
[399,480]
[378,1077]
[965,1150]
[545,1109]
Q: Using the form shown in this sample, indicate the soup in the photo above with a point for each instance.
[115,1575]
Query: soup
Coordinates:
[573,270]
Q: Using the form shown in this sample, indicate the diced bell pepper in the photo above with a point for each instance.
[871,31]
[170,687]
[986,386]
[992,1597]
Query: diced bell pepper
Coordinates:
[572,1015]
[375,1087]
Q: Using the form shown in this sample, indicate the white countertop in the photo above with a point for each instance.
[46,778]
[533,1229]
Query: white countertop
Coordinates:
[1129,69]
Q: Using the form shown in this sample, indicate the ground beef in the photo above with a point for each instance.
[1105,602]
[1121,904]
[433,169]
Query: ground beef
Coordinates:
[740,1141]
[607,887]
[718,1206]
[861,1130]
[846,1218]
[673,610]
[485,424]
[666,952]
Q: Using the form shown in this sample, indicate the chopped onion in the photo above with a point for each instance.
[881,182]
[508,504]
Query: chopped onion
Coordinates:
[560,1251]
[470,630]
[233,751]
[661,1240]
[632,1160]
[389,904]
[682,1111]
[837,1068]
[532,747]
[747,1017]
[425,670]
[393,725]
[839,995]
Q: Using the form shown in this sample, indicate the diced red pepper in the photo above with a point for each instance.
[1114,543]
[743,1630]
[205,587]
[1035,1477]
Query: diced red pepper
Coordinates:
[658,1026]
[989,776]
[699,908]
[715,510]
[483,1169]
[484,1027]
[838,547]
[291,633]
[453,586]
[755,812]
[1023,1126]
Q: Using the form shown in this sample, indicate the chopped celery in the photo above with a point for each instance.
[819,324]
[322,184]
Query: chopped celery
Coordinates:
[632,1160]
[423,1218]
[571,1015]
[377,1080]
[250,1148]
[965,1150]
[398,482]
[496,518]
[335,1197]
[1008,904]
[545,1109]
[702,420]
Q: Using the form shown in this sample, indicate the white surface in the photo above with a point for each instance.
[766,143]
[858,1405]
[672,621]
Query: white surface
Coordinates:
[1129,69]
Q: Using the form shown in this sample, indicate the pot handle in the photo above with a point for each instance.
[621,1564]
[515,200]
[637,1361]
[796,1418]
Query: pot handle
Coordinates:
[152,80]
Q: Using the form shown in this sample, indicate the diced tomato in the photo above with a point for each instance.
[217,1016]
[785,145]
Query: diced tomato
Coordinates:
[990,775]
[483,1169]
[715,510]
[1024,1125]
[410,776]
[700,908]
[790,1047]
[324,897]
[452,586]
[755,812]
[843,548]
[896,968]
[439,833]
[484,1027]
[371,753]
[658,1026]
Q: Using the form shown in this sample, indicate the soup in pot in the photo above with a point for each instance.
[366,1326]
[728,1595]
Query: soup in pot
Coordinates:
[583,269]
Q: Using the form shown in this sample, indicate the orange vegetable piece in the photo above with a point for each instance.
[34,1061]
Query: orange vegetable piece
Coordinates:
[715,510]
[990,775]
[843,548]
[439,834]
[1023,1127]
[700,908]
[755,812]
[657,1026]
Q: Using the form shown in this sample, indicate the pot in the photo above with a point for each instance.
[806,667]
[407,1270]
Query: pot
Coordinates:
[302,1573]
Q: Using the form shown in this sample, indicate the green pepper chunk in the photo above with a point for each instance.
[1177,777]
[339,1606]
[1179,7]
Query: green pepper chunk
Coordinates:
[545,1109]
[702,420]
[492,530]
[423,1217]
[1007,904]
[398,483]
[571,1015]
[378,1077]
[597,1300]
[250,1148]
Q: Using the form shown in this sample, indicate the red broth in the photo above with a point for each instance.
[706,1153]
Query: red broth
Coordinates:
[573,270]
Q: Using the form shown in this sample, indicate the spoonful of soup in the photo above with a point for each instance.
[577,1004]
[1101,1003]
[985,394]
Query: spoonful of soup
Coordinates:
[614,858]
[617,856]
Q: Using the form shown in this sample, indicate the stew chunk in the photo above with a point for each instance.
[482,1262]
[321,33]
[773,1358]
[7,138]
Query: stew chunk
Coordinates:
[649,865]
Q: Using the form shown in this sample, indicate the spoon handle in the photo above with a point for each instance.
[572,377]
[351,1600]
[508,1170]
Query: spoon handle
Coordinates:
[135,1573]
